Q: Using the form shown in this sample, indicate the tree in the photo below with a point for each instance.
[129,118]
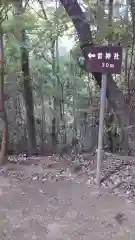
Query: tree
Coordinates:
[3,116]
[62,89]
[28,95]
[85,37]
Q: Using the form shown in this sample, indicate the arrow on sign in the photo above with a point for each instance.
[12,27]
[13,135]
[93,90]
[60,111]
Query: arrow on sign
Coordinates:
[90,55]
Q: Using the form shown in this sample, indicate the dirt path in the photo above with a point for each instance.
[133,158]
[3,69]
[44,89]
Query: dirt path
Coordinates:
[61,210]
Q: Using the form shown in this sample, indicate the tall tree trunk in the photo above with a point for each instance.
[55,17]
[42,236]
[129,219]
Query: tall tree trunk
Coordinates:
[128,66]
[132,59]
[3,116]
[42,125]
[89,91]
[114,95]
[100,19]
[28,94]
[108,109]
[54,119]
[132,5]
[60,84]
[110,16]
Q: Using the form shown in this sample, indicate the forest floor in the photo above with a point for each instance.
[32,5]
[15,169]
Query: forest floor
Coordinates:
[53,201]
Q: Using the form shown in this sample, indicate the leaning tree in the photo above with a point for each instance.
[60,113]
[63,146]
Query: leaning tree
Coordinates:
[114,95]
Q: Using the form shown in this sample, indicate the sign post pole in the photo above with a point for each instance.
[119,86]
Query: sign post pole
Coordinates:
[101,127]
[104,60]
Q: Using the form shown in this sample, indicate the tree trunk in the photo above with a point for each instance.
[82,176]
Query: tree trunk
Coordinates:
[89,92]
[3,116]
[110,17]
[28,94]
[42,125]
[100,20]
[110,38]
[54,119]
[114,95]
[132,4]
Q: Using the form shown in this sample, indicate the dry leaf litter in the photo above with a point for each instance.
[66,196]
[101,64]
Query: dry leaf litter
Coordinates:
[117,174]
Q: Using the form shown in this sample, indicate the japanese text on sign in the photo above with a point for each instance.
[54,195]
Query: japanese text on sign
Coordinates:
[104,59]
[107,55]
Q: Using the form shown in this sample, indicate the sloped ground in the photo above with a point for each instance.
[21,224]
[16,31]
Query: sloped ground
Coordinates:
[45,204]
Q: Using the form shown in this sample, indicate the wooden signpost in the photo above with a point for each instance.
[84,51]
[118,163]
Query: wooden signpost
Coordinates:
[106,60]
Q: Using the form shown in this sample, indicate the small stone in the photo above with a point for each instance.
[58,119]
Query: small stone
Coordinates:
[41,191]
[129,201]
[23,193]
[34,178]
[128,192]
[89,182]
[44,179]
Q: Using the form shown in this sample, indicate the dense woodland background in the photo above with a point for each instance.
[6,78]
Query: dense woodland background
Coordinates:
[49,102]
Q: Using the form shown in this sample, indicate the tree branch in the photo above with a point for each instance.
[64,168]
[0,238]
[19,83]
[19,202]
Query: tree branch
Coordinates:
[43,9]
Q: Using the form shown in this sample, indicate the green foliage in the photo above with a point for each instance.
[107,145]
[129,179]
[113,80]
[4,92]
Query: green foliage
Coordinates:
[51,71]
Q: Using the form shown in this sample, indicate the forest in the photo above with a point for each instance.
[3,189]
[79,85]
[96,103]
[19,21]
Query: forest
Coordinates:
[49,102]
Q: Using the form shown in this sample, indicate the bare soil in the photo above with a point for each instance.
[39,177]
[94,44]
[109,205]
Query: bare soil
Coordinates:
[33,206]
